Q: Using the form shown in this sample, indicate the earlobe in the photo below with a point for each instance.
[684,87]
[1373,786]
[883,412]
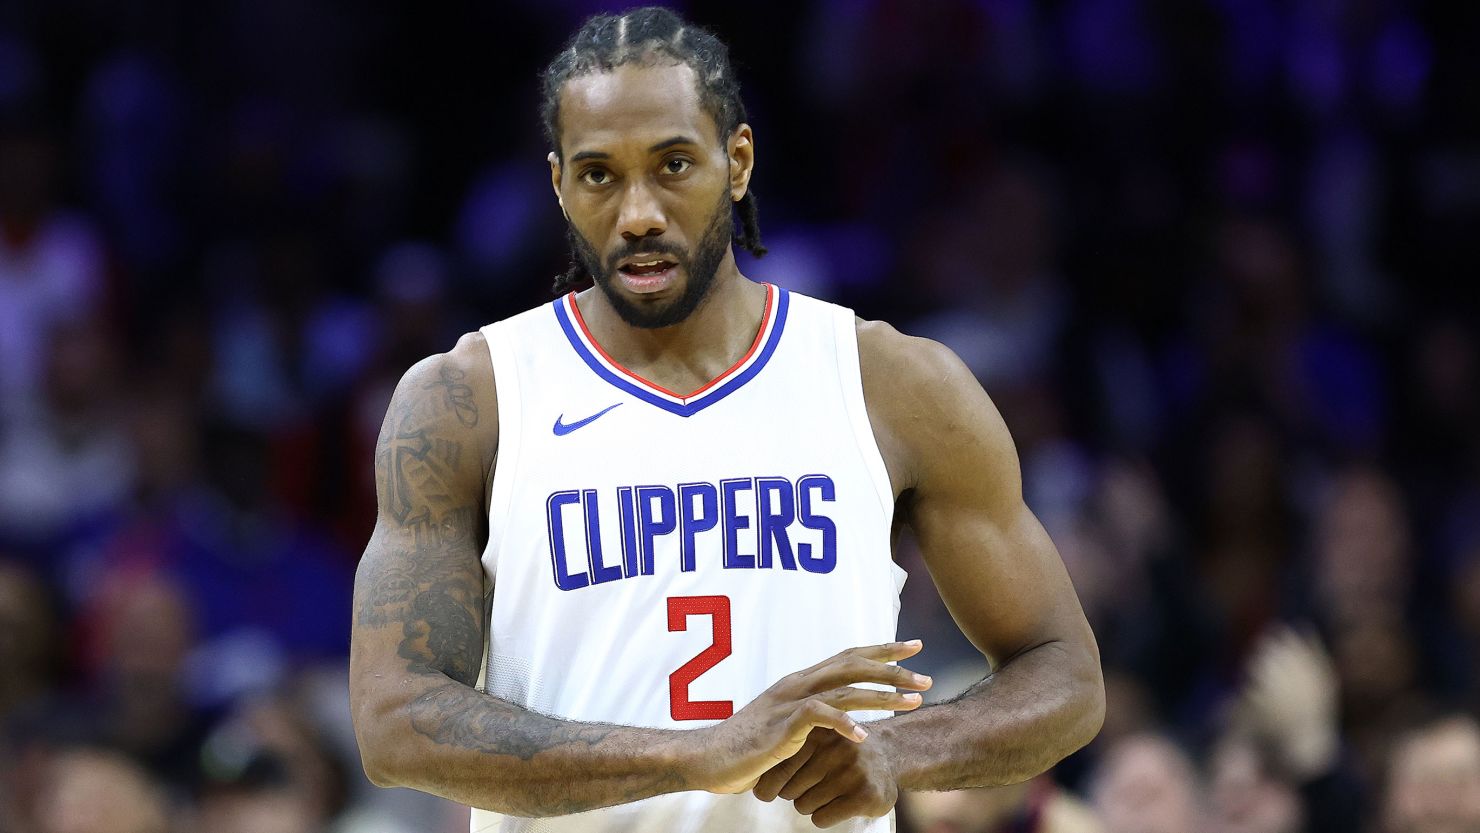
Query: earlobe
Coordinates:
[555,181]
[742,161]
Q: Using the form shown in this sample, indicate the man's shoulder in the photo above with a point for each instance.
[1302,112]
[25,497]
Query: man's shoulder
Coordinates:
[467,362]
[907,366]
[453,392]
[924,403]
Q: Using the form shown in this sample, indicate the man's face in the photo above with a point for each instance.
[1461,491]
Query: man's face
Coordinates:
[646,183]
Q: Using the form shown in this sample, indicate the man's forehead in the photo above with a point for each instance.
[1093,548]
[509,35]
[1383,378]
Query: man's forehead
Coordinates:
[632,102]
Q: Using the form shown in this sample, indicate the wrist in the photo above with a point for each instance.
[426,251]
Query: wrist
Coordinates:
[686,752]
[884,736]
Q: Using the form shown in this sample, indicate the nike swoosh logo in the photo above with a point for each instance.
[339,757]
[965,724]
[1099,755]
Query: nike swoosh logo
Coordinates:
[562,428]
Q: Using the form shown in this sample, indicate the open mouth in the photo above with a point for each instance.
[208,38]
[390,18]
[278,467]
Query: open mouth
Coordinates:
[647,273]
[646,267]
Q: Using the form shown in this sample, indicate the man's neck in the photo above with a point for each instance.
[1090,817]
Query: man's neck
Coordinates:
[689,354]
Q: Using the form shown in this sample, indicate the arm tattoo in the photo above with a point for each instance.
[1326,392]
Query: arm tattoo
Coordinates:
[429,580]
[487,724]
[459,395]
[457,716]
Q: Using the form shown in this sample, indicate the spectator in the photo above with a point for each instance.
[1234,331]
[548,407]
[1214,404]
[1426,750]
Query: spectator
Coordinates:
[1146,784]
[1433,784]
[88,790]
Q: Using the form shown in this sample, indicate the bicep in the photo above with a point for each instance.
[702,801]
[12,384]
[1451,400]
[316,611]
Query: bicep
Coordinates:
[419,587]
[998,572]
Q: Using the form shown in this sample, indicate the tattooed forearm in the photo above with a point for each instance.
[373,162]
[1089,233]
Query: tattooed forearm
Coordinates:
[459,717]
[455,716]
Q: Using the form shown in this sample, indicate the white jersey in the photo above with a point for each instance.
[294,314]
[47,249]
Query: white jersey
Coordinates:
[660,560]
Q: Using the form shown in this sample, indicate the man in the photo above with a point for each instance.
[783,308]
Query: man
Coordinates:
[683,486]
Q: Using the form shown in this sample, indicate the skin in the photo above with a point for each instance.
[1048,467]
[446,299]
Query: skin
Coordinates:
[420,590]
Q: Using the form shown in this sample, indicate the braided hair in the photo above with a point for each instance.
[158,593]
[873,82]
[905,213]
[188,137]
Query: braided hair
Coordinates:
[649,35]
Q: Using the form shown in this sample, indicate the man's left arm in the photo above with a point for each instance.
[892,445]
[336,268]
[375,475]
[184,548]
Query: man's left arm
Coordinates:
[1000,577]
[957,473]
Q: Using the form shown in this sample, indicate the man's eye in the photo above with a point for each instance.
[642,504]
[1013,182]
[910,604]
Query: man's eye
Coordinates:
[594,176]
[677,165]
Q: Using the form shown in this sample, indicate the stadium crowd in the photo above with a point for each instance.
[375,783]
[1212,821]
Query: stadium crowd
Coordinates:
[1207,257]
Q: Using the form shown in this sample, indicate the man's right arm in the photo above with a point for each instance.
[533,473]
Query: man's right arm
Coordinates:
[419,634]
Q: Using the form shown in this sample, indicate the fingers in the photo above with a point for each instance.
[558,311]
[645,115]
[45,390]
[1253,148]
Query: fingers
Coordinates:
[849,698]
[839,809]
[769,785]
[868,664]
[814,712]
[807,776]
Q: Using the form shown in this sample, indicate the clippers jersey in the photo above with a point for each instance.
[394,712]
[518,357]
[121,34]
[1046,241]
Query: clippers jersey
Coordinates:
[660,560]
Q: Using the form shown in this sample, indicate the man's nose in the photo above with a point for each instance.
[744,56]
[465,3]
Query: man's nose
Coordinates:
[641,213]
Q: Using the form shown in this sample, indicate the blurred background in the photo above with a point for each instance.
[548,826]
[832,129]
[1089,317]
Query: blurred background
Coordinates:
[1214,260]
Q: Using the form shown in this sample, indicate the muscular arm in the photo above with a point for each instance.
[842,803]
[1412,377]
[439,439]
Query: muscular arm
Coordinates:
[419,627]
[1001,578]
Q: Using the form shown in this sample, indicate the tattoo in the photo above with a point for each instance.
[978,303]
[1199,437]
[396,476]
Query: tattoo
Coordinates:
[413,466]
[442,633]
[459,395]
[425,575]
[457,716]
[447,715]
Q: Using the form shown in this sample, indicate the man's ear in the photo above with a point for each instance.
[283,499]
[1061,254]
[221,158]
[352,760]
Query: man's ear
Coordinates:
[742,159]
[555,181]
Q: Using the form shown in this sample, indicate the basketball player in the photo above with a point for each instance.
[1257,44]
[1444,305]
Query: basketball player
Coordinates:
[632,569]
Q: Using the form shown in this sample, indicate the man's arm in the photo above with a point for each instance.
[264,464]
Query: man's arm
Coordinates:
[955,472]
[996,569]
[419,633]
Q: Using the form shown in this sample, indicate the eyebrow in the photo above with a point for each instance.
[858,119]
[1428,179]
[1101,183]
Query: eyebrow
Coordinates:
[663,145]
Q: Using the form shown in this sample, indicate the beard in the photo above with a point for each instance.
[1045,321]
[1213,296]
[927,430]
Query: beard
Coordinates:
[700,268]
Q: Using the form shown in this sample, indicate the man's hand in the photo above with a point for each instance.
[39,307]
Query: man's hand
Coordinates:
[774,727]
[832,780]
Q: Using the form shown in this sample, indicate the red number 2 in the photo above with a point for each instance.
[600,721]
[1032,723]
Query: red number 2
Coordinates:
[680,608]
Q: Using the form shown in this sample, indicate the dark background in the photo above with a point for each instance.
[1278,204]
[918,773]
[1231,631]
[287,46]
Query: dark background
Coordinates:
[1214,260]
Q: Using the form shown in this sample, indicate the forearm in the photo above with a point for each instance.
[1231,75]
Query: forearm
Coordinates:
[1022,719]
[456,742]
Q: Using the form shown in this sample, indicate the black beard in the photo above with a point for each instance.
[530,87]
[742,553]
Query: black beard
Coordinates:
[701,270]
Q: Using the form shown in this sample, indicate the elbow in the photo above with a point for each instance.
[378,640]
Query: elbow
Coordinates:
[377,769]
[1094,711]
[374,719]
[1091,685]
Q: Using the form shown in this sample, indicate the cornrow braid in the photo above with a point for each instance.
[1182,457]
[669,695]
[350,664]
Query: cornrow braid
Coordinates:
[648,36]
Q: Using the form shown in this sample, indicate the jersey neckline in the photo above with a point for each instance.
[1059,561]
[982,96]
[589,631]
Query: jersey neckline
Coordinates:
[773,320]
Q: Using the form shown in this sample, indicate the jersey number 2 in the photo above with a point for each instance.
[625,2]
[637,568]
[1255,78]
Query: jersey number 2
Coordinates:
[680,608]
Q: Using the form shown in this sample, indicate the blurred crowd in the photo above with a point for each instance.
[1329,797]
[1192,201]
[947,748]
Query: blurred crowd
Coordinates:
[1208,258]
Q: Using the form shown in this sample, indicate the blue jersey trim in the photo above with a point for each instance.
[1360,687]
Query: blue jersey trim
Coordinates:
[704,400]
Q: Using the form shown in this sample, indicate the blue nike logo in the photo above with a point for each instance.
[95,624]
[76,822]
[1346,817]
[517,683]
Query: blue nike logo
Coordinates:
[561,428]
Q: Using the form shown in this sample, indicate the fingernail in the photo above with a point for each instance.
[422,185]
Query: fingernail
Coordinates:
[860,732]
[913,698]
[914,643]
[921,679]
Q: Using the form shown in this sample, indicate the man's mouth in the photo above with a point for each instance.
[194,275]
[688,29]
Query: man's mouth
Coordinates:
[647,273]
[646,266]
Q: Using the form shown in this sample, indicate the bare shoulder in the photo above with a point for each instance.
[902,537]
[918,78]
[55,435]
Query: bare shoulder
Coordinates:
[926,406]
[449,395]
[909,363]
